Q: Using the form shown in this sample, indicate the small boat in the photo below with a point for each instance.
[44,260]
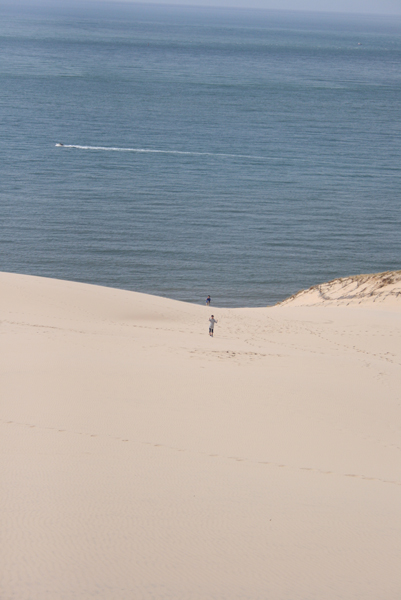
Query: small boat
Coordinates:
[60,144]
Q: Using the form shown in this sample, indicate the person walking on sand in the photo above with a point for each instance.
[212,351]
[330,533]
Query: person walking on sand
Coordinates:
[212,321]
[208,300]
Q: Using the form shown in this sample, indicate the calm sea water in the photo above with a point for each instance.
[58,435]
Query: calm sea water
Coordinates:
[240,154]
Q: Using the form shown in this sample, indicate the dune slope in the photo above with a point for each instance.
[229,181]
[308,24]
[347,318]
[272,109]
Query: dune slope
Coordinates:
[141,458]
[374,289]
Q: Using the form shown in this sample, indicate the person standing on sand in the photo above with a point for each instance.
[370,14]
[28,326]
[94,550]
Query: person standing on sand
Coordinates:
[212,321]
[208,301]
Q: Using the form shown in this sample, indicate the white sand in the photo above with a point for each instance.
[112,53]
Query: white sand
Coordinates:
[376,289]
[141,459]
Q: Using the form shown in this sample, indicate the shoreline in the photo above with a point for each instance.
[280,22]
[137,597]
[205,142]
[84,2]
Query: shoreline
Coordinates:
[372,288]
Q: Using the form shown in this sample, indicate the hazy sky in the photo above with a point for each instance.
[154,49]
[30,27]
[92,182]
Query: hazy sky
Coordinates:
[389,7]
[383,7]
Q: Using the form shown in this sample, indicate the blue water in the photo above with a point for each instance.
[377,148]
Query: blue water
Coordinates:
[242,154]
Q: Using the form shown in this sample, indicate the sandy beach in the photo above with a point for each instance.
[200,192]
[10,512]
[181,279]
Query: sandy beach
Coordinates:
[142,459]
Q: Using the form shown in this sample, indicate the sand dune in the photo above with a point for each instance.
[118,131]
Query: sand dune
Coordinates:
[373,289]
[142,459]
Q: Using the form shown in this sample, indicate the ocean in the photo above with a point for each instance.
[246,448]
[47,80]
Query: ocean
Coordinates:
[241,154]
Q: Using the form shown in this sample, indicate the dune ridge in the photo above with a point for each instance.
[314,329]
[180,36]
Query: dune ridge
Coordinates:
[141,458]
[357,289]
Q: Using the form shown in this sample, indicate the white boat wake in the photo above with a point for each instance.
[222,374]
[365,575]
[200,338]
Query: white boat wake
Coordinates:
[150,151]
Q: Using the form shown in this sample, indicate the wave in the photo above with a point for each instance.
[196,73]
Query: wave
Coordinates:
[150,151]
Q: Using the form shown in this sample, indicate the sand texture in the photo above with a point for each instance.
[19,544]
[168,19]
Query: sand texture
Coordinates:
[142,459]
[374,289]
